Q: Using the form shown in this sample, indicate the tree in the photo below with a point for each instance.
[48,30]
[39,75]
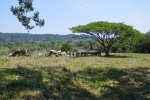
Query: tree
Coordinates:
[107,33]
[144,44]
[66,47]
[22,12]
[147,33]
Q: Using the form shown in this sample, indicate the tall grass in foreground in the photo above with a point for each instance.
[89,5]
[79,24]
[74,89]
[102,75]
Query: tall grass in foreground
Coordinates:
[123,77]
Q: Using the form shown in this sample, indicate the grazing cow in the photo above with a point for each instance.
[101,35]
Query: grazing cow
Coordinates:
[63,54]
[84,53]
[53,52]
[20,52]
[40,54]
[10,54]
[74,54]
[95,53]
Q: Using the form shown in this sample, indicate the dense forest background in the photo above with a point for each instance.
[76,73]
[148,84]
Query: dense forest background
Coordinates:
[44,42]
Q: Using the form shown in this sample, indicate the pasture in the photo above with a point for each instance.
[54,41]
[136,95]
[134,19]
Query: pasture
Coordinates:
[124,76]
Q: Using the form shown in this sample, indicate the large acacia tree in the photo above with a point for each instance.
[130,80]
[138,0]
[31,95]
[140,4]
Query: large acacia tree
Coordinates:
[107,33]
[26,16]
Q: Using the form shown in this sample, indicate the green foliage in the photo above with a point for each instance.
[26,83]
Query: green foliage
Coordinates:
[144,44]
[66,47]
[22,12]
[45,42]
[87,44]
[106,33]
[4,50]
[147,33]
[40,42]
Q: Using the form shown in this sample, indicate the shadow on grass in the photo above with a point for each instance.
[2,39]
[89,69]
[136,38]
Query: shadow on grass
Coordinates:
[59,83]
[63,87]
[20,79]
[43,84]
[110,56]
[121,84]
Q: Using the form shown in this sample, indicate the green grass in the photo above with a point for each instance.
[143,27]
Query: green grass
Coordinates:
[119,77]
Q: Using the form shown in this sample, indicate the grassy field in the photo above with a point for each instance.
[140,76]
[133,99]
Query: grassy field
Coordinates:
[119,77]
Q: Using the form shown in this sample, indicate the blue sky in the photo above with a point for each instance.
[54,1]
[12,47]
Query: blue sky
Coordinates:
[60,15]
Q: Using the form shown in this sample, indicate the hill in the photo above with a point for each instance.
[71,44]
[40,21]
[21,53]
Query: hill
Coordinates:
[11,41]
[6,38]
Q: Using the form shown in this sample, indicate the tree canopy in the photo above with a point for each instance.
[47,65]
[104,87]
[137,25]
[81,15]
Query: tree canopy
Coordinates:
[147,33]
[144,44]
[22,12]
[107,33]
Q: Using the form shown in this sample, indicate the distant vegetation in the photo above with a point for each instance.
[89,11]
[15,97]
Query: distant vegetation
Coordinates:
[144,44]
[40,42]
[43,42]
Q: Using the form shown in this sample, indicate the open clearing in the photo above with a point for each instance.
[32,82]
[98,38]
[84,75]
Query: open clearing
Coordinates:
[124,76]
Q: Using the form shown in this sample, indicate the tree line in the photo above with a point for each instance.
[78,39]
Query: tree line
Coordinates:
[41,42]
[44,42]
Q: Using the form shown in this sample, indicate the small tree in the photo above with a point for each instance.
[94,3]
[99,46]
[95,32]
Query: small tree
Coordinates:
[107,33]
[22,13]
[66,47]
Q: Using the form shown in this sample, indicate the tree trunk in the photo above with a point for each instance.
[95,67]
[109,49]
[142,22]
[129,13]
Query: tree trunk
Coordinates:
[107,49]
[28,31]
[107,52]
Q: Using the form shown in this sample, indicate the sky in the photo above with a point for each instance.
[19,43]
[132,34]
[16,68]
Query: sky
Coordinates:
[60,15]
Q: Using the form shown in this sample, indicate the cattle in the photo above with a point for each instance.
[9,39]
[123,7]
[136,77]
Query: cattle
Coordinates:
[79,53]
[53,52]
[40,54]
[10,54]
[20,52]
[95,53]
[74,54]
[84,53]
[63,54]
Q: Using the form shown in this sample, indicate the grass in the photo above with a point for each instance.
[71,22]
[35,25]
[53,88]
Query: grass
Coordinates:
[119,77]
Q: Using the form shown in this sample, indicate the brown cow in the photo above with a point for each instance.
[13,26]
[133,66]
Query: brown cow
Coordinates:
[20,52]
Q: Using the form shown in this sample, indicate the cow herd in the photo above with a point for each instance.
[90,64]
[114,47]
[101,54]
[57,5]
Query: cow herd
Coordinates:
[50,53]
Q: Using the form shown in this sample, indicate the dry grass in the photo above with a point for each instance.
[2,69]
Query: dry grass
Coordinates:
[117,61]
[75,78]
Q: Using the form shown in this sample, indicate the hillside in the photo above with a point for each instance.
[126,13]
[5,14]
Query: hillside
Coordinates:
[6,38]
[37,42]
